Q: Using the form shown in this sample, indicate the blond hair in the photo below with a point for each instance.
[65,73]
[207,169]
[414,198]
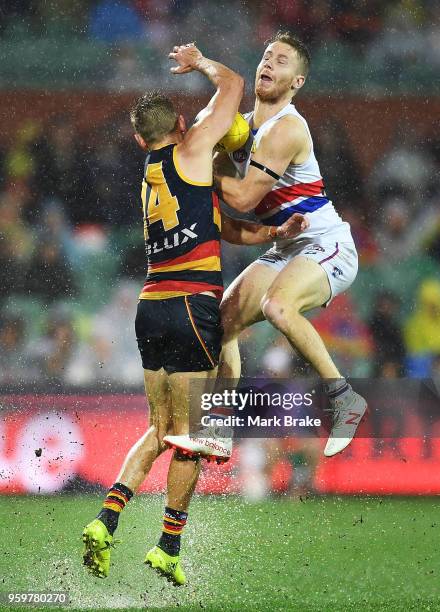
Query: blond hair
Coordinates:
[300,48]
[153,116]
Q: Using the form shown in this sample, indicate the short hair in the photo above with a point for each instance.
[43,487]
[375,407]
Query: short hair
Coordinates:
[300,48]
[153,116]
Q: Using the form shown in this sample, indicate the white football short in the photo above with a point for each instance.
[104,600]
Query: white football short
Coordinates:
[338,259]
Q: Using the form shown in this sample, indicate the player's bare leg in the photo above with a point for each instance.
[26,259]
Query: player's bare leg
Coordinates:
[98,535]
[183,473]
[205,442]
[241,308]
[301,286]
[141,456]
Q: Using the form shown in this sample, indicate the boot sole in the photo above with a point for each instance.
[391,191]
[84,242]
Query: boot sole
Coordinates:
[209,458]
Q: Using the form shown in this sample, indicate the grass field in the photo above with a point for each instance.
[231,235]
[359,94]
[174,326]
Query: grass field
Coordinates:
[322,554]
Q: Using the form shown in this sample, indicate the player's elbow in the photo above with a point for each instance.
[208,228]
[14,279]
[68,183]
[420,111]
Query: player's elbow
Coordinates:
[234,89]
[239,84]
[236,82]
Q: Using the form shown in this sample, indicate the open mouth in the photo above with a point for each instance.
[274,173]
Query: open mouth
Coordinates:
[265,77]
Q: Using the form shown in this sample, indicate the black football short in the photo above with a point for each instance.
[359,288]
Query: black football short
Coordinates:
[180,334]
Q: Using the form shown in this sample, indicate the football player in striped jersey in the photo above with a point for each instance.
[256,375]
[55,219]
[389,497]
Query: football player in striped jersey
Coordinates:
[278,176]
[178,326]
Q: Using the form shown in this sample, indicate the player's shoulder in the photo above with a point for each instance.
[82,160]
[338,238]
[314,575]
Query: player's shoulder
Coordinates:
[287,129]
[292,124]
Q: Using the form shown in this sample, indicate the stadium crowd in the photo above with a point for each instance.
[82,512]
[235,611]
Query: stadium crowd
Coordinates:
[71,254]
[72,260]
[397,39]
[357,23]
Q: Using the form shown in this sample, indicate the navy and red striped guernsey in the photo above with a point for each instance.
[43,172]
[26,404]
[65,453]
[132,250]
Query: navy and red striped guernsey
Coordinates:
[182,230]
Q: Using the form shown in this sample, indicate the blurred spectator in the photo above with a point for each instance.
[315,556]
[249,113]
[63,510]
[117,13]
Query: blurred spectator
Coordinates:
[312,19]
[394,37]
[435,371]
[363,235]
[254,479]
[16,242]
[53,351]
[406,170]
[422,329]
[283,466]
[127,71]
[113,337]
[54,226]
[389,351]
[19,163]
[345,335]
[63,172]
[14,363]
[401,42]
[58,17]
[13,10]
[117,166]
[432,34]
[49,276]
[357,22]
[158,19]
[397,237]
[115,21]
[432,235]
[343,179]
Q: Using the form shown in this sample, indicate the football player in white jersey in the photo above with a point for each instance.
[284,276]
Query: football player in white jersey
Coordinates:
[278,176]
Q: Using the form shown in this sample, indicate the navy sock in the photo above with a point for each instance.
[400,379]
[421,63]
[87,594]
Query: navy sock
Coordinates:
[117,498]
[173,523]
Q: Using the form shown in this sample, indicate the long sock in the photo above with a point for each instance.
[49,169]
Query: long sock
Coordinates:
[173,523]
[117,498]
[336,388]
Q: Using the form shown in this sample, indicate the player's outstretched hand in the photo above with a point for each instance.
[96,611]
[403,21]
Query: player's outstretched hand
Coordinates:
[294,225]
[187,58]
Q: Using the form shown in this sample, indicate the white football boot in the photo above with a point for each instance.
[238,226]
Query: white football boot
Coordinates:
[205,443]
[348,411]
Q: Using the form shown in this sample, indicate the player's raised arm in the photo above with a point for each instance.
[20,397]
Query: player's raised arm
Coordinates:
[285,142]
[214,120]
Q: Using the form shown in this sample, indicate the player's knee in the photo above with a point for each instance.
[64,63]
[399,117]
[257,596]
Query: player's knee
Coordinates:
[159,433]
[276,311]
[272,309]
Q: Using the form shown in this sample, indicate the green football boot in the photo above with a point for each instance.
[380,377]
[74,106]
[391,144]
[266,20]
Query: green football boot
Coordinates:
[97,543]
[167,566]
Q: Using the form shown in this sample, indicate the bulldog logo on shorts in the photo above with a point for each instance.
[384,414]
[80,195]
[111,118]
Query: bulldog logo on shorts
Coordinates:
[240,155]
[337,272]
